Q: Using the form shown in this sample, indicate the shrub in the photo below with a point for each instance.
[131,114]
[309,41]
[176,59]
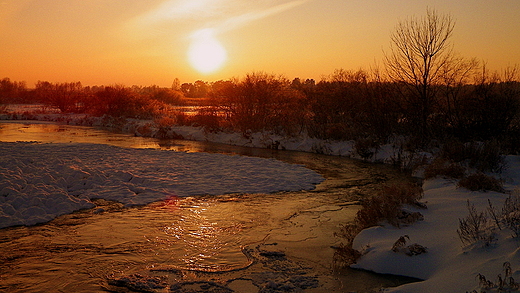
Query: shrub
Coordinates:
[164,122]
[68,97]
[475,227]
[454,150]
[209,121]
[366,147]
[180,118]
[483,156]
[505,281]
[481,182]
[385,205]
[486,156]
[410,250]
[346,255]
[510,213]
[442,167]
[509,216]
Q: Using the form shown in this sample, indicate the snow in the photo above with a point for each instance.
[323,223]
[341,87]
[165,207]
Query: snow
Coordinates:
[148,128]
[41,181]
[449,265]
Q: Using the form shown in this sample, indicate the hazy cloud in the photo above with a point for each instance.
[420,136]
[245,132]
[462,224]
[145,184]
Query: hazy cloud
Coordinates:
[221,15]
[248,17]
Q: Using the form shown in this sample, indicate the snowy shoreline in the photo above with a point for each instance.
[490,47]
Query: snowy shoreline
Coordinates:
[448,266]
[148,128]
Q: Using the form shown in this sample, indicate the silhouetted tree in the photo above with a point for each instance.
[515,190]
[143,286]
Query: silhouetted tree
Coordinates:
[457,76]
[162,94]
[420,50]
[12,91]
[176,84]
[496,103]
[67,97]
[197,90]
[258,102]
[120,101]
[336,104]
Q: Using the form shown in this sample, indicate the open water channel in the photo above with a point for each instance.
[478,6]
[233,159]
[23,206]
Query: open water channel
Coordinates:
[280,242]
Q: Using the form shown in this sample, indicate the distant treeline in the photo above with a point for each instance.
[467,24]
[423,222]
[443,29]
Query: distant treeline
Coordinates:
[424,93]
[347,105]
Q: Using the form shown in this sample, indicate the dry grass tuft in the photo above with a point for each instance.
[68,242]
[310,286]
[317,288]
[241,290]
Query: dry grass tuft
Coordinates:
[444,168]
[481,182]
[386,205]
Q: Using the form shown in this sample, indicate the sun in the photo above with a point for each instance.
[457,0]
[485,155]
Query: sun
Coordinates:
[206,54]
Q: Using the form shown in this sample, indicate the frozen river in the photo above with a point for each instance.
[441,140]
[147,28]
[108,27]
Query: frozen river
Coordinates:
[275,242]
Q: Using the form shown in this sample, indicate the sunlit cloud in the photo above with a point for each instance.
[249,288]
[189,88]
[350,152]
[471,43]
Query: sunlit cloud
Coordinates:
[220,15]
[246,18]
[175,10]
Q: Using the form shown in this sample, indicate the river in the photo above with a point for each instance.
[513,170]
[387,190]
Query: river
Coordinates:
[279,242]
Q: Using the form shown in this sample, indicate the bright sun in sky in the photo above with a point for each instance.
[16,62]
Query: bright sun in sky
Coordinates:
[206,54]
[135,42]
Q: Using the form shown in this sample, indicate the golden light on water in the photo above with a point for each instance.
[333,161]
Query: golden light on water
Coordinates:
[206,54]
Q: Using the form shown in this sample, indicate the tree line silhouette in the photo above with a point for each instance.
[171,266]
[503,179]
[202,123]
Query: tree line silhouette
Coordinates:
[424,92]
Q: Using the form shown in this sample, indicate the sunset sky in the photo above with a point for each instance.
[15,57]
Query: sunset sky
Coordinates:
[155,41]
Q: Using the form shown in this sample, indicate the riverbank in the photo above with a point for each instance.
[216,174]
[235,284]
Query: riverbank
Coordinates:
[389,154]
[448,266]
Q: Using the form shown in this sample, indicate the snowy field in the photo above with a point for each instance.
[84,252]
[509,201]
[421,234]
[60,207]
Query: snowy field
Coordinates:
[41,181]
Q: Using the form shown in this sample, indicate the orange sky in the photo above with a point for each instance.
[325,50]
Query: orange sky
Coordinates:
[147,42]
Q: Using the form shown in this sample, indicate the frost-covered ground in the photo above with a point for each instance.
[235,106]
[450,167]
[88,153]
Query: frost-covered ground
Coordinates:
[41,181]
[448,266]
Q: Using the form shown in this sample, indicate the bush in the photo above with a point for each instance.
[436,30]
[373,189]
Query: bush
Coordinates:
[386,205]
[475,227]
[481,182]
[483,156]
[442,167]
[211,123]
[505,281]
[366,147]
[119,101]
[454,150]
[509,216]
[410,250]
[487,157]
[346,255]
[510,213]
[68,97]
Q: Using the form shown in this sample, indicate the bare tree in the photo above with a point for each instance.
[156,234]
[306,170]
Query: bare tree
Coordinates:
[420,49]
[457,75]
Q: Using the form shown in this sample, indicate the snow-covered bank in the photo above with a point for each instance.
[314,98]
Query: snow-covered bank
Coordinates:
[147,128]
[449,265]
[41,181]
